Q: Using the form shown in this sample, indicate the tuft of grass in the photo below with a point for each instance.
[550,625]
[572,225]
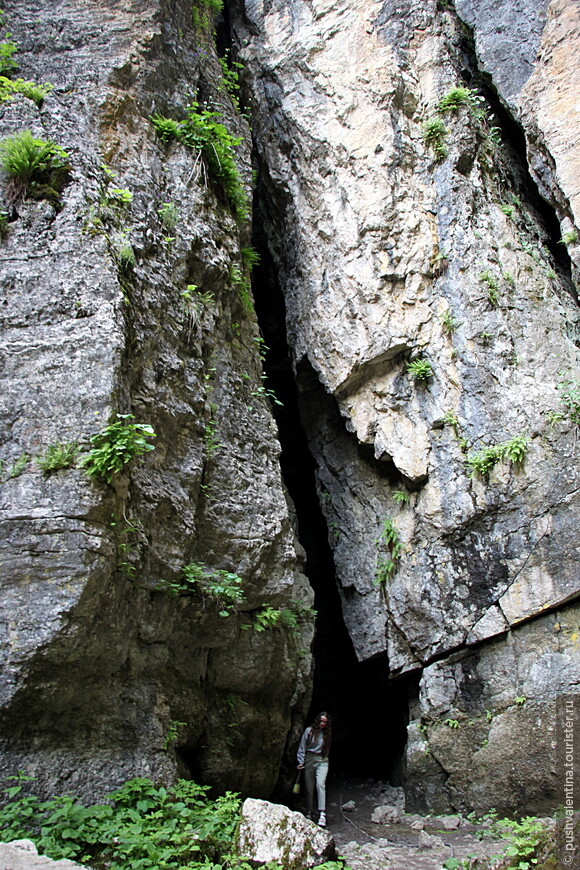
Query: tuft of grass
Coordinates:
[458,97]
[569,238]
[24,158]
[420,369]
[57,456]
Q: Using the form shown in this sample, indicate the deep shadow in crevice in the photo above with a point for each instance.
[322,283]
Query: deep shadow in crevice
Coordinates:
[369,711]
[514,142]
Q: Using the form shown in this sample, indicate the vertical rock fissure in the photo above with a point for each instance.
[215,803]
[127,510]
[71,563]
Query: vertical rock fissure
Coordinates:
[514,140]
[355,693]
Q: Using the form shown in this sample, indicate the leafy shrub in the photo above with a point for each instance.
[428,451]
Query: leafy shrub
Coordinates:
[147,827]
[569,238]
[449,321]
[169,215]
[116,445]
[250,257]
[203,133]
[482,461]
[420,369]
[7,50]
[515,449]
[59,455]
[287,617]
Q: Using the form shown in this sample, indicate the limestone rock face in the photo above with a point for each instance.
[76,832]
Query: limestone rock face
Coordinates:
[22,855]
[124,298]
[271,832]
[391,252]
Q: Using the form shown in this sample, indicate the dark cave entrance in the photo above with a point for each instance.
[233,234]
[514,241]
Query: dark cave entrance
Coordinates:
[369,710]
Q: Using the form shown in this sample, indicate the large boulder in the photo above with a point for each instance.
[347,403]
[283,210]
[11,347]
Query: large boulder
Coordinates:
[271,832]
[22,855]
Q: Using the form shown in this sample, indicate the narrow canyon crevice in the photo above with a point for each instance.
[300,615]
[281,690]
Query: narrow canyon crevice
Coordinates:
[370,711]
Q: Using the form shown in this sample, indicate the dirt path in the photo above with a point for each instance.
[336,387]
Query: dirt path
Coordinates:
[400,841]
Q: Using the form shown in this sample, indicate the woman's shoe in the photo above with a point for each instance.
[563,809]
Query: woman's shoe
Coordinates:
[322,820]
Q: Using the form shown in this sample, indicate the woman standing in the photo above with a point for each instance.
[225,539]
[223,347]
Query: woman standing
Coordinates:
[313,757]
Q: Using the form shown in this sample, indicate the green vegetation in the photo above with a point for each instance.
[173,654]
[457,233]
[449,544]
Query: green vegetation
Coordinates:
[520,700]
[230,78]
[57,456]
[451,419]
[450,323]
[144,826]
[116,445]
[420,369]
[434,132]
[508,210]
[10,88]
[451,723]
[400,496]
[169,214]
[492,287]
[570,397]
[18,466]
[33,165]
[483,461]
[569,238]
[220,588]
[211,441]
[288,618]
[458,97]
[250,257]
[389,550]
[242,283]
[209,139]
[174,730]
[122,248]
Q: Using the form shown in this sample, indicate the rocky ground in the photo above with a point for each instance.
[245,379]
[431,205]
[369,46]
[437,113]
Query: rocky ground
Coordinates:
[372,830]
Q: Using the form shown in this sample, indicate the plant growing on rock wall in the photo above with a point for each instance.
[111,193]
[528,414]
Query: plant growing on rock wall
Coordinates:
[57,456]
[210,140]
[458,97]
[449,321]
[570,397]
[116,445]
[389,553]
[34,166]
[434,132]
[492,287]
[216,586]
[420,369]
[484,460]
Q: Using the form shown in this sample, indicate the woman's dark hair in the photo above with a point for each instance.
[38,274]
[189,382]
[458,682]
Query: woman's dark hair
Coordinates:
[315,730]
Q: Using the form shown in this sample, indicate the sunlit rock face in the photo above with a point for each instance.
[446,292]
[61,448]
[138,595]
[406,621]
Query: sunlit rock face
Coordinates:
[124,298]
[449,255]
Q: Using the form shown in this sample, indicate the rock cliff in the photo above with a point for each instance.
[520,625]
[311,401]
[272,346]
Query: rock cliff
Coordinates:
[417,193]
[129,295]
[418,183]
